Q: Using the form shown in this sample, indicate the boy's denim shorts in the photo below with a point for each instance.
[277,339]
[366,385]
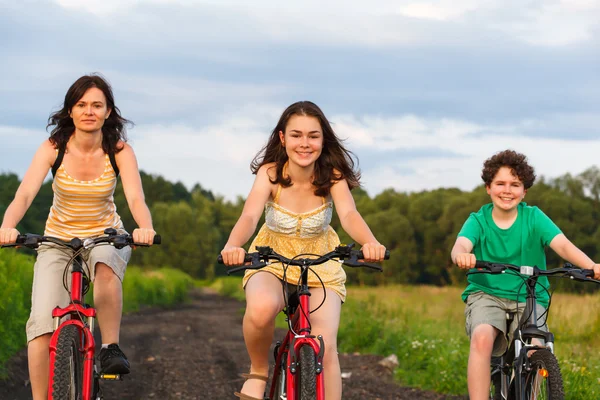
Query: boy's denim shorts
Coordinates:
[482,308]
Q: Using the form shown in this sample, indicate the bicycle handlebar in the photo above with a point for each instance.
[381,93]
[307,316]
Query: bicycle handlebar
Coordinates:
[33,241]
[567,270]
[264,254]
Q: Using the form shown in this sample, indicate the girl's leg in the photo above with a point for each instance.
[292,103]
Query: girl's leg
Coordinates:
[480,356]
[326,321]
[264,300]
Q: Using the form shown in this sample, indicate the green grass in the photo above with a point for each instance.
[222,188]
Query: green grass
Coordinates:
[424,327]
[160,287]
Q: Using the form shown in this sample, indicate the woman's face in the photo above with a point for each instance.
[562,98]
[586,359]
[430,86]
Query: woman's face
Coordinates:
[302,139]
[90,111]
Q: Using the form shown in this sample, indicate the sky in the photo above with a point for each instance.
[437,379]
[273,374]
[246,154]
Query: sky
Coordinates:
[422,91]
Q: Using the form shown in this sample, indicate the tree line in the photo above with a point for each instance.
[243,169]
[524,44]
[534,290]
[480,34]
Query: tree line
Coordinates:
[419,228]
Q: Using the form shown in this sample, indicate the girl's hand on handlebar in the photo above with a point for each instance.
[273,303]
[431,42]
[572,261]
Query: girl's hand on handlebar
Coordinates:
[465,260]
[373,252]
[233,255]
[143,235]
[8,235]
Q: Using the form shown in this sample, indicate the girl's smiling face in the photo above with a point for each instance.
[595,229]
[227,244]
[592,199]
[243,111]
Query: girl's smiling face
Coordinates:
[506,190]
[302,139]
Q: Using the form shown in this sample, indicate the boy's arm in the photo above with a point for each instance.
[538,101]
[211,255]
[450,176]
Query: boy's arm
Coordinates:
[569,252]
[461,253]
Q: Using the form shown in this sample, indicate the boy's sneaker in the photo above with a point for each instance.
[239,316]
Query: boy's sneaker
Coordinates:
[113,361]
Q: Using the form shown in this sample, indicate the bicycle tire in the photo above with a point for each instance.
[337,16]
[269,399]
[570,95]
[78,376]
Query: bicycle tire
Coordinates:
[68,366]
[308,374]
[544,380]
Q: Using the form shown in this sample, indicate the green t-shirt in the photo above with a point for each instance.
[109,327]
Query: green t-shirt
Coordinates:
[523,243]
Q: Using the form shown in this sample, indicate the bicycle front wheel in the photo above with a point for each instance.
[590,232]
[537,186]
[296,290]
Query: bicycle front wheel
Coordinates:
[308,374]
[544,380]
[68,366]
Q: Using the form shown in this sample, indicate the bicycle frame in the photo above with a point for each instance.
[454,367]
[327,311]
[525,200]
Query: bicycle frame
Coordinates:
[76,309]
[292,343]
[522,344]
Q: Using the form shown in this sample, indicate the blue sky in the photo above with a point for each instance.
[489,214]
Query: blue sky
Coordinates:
[423,91]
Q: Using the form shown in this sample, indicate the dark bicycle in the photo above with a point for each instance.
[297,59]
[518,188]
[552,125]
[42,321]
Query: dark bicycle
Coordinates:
[73,374]
[528,370]
[298,372]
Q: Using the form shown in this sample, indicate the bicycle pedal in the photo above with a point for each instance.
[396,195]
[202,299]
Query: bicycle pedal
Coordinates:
[111,377]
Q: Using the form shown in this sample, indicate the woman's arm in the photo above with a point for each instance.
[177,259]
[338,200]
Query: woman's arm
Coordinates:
[134,193]
[354,224]
[261,190]
[571,253]
[30,186]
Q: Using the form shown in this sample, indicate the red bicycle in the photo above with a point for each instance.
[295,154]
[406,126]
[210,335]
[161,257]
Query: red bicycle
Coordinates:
[73,373]
[297,374]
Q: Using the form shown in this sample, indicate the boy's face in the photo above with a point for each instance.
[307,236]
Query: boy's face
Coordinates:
[506,190]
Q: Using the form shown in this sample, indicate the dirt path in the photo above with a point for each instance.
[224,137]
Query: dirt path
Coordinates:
[196,352]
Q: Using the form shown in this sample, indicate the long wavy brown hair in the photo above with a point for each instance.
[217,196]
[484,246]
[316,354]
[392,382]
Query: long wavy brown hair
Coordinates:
[334,164]
[114,128]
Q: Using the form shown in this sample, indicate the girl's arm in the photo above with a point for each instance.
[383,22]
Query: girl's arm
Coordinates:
[232,253]
[134,193]
[569,252]
[28,189]
[354,224]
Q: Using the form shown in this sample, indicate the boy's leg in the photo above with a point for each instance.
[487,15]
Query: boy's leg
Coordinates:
[480,356]
[486,326]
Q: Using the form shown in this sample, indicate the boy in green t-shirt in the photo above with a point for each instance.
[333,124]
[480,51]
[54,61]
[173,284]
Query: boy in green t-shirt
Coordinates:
[504,231]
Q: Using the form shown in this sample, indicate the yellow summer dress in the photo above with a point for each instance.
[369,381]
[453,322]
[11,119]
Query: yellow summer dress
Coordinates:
[290,234]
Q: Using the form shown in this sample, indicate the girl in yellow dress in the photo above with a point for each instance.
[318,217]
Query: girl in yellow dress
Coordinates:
[300,173]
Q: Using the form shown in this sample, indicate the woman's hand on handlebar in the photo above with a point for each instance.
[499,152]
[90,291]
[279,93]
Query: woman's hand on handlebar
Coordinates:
[596,268]
[143,235]
[8,235]
[373,252]
[465,260]
[233,255]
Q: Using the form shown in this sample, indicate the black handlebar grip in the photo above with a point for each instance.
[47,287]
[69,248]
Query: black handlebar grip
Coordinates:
[386,256]
[247,258]
[157,239]
[588,273]
[481,264]
[21,239]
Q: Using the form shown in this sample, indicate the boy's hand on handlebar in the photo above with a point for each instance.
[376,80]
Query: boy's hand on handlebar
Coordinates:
[143,235]
[465,260]
[8,235]
[373,252]
[596,269]
[233,255]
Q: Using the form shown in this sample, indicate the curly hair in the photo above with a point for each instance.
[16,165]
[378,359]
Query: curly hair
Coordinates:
[334,164]
[517,163]
[114,128]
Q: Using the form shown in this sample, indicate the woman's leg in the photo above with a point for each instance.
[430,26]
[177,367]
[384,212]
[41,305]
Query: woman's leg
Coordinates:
[326,321]
[108,301]
[39,359]
[264,300]
[480,355]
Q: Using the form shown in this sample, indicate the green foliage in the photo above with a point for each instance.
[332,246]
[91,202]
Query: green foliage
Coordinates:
[16,276]
[418,228]
[160,287]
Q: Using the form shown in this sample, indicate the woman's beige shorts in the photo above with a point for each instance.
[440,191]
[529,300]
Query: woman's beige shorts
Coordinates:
[48,290]
[483,308]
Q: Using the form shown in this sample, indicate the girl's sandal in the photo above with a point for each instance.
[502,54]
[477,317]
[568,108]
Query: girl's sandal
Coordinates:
[243,396]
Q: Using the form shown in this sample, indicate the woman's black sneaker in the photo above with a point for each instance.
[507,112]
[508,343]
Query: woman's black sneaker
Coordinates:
[113,361]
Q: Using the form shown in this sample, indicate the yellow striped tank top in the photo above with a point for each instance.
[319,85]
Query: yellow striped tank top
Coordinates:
[83,208]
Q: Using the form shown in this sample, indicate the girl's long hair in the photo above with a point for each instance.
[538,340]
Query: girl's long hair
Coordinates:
[334,164]
[114,128]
